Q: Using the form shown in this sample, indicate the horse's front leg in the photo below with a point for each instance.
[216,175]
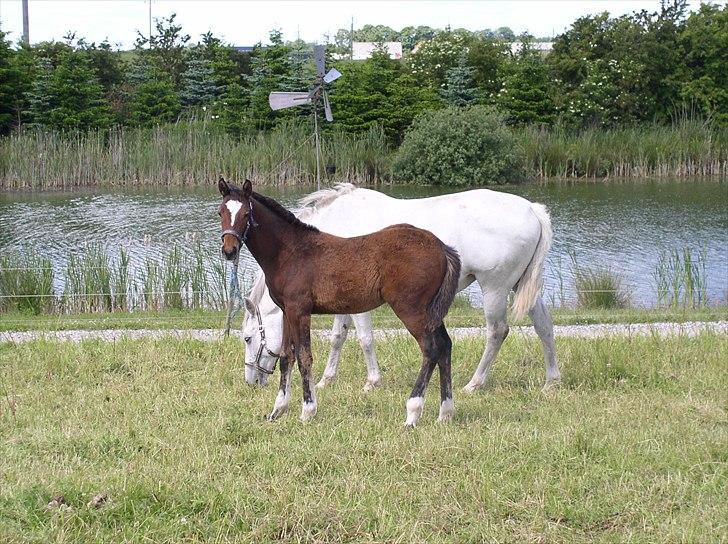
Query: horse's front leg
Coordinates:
[339,332]
[305,365]
[283,398]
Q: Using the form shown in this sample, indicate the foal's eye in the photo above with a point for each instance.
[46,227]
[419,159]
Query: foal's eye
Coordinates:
[247,339]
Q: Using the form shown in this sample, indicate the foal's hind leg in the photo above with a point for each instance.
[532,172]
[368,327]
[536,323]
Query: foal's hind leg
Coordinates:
[447,406]
[495,308]
[544,327]
[339,332]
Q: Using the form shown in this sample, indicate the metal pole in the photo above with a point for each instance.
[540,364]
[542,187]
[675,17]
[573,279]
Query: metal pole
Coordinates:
[26,23]
[150,24]
[318,147]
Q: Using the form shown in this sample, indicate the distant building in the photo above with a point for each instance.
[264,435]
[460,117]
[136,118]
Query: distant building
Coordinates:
[364,50]
[543,47]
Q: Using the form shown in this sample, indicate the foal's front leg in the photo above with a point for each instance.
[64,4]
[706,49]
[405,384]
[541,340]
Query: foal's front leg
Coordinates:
[283,398]
[305,365]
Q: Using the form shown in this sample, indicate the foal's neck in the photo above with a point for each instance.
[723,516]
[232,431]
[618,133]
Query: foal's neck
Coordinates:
[274,238]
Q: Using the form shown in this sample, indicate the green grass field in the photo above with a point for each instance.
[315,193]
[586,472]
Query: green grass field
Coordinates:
[461,315]
[632,448]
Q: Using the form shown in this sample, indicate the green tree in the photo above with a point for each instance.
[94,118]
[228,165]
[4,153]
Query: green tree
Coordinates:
[460,89]
[153,100]
[166,51]
[234,110]
[10,86]
[459,146]
[271,70]
[704,81]
[432,60]
[70,96]
[198,84]
[488,56]
[525,94]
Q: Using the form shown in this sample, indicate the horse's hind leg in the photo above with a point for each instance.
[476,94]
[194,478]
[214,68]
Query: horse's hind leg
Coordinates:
[339,332]
[544,327]
[363,324]
[495,309]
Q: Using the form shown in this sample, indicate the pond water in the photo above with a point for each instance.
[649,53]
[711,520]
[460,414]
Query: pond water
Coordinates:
[623,226]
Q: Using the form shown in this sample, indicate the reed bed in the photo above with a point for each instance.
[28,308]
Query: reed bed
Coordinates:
[187,153]
[94,282]
[687,148]
[598,288]
[197,151]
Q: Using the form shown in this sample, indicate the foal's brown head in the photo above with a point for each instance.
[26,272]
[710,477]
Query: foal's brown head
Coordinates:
[235,216]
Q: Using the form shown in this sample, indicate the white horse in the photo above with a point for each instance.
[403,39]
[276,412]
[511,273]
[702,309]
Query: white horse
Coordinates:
[502,240]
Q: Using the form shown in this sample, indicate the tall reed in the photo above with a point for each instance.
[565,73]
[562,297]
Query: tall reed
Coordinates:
[88,281]
[191,152]
[689,147]
[26,283]
[680,279]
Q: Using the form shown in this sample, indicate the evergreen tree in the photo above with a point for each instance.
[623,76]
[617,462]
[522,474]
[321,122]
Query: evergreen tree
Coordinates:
[198,84]
[153,100]
[77,97]
[234,110]
[40,99]
[525,95]
[10,86]
[270,71]
[460,89]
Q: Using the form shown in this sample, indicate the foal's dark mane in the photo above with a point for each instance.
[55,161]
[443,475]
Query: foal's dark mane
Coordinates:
[276,208]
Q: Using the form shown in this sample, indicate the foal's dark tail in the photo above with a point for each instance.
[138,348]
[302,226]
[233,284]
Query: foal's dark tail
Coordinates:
[440,303]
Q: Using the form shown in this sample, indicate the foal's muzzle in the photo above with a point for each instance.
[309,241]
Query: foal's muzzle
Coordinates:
[230,248]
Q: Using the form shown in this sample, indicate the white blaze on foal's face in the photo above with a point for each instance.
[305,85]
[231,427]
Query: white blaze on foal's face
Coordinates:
[233,207]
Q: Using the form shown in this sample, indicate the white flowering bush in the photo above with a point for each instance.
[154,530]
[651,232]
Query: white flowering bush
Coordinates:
[456,146]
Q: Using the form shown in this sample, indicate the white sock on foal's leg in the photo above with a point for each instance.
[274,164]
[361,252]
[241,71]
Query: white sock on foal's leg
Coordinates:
[414,410]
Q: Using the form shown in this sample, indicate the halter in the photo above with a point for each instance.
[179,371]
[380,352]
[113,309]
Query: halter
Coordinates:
[256,364]
[250,221]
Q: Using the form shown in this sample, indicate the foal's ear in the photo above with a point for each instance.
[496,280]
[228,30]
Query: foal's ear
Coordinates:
[247,188]
[223,186]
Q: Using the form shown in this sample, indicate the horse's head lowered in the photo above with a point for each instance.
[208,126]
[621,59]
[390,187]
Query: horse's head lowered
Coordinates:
[236,216]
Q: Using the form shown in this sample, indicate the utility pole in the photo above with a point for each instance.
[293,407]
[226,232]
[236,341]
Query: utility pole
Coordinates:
[150,24]
[351,54]
[26,24]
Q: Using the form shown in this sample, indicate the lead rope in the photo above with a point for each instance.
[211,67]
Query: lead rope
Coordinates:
[235,298]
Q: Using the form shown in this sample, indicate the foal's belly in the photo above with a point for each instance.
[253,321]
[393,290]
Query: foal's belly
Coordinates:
[338,294]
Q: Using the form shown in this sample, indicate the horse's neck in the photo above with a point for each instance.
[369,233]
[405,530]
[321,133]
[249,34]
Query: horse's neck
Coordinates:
[272,239]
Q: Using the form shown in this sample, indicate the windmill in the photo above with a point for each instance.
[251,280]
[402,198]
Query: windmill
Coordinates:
[318,94]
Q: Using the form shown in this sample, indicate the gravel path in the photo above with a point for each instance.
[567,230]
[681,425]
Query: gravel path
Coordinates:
[692,328]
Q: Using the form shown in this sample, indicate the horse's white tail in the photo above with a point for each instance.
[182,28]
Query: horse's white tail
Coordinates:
[530,283]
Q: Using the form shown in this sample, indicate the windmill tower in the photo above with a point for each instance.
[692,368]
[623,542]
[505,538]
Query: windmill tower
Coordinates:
[316,96]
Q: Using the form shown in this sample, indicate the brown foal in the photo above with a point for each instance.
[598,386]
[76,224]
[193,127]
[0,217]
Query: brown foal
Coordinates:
[312,272]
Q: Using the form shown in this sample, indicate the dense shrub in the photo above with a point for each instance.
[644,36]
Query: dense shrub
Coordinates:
[457,146]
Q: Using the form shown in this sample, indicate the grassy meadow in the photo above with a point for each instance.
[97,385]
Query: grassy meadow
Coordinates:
[631,448]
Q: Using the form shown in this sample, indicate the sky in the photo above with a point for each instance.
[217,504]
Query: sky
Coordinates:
[249,22]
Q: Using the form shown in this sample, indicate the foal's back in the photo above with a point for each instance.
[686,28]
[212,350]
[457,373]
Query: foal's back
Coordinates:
[397,263]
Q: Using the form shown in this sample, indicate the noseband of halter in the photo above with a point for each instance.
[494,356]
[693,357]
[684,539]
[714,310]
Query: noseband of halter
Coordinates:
[250,222]
[263,346]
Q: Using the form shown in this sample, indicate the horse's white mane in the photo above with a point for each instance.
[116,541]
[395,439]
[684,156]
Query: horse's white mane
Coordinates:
[320,199]
[258,288]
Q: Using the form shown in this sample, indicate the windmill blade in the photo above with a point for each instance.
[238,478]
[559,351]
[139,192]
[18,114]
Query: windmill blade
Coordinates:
[332,75]
[327,108]
[280,100]
[313,91]
[319,57]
